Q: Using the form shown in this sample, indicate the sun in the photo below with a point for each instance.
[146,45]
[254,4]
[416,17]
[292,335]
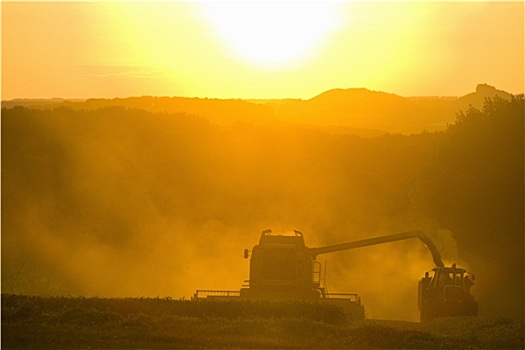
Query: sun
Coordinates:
[272,34]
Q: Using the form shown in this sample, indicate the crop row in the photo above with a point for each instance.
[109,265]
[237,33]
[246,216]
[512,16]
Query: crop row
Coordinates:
[23,308]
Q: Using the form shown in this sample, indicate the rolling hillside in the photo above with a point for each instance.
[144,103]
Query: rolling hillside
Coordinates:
[359,112]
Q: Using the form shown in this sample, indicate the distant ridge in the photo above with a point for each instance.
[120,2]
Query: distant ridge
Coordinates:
[476,99]
[358,111]
[367,109]
[352,93]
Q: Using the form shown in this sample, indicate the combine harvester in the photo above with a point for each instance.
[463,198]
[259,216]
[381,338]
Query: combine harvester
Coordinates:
[282,268]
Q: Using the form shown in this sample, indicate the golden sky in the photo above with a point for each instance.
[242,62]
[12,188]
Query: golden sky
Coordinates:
[251,50]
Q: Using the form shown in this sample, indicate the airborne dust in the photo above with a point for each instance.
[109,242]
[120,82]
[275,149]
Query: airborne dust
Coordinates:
[128,203]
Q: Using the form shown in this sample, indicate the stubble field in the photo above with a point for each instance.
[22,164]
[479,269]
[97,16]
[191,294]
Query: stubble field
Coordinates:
[68,322]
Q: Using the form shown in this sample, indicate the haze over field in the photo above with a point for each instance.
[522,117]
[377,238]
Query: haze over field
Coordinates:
[181,130]
[113,201]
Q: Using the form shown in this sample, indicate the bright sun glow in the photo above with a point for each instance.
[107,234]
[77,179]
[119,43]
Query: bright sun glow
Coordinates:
[274,34]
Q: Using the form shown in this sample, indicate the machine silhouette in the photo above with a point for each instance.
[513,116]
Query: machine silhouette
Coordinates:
[282,268]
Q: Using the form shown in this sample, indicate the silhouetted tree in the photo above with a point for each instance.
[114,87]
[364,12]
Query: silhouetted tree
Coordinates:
[475,187]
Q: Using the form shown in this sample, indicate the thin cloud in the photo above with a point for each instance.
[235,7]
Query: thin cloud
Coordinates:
[101,71]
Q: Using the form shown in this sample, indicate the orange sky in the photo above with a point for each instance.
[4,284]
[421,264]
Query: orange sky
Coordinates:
[240,50]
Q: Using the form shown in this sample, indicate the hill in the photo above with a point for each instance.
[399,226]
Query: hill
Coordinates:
[476,99]
[359,112]
[362,108]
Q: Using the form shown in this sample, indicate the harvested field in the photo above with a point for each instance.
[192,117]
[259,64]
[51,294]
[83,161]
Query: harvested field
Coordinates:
[67,322]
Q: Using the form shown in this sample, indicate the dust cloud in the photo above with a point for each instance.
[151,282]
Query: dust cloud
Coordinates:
[127,203]
[386,276]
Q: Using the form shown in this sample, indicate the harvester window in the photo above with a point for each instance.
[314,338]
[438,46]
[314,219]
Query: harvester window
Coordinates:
[449,279]
[280,264]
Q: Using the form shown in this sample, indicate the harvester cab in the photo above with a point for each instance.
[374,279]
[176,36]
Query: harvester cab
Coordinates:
[446,293]
[282,268]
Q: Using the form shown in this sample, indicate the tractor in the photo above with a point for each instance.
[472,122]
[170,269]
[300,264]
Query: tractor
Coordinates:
[446,294]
